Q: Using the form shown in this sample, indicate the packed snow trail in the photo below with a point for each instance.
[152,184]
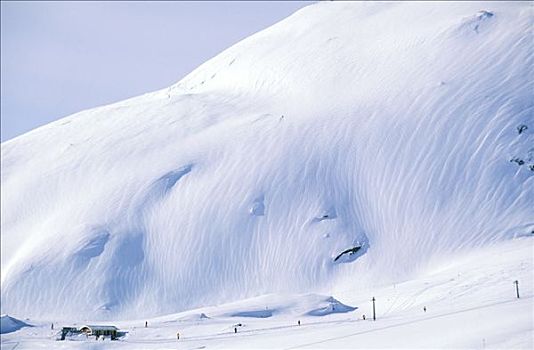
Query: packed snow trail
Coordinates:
[390,125]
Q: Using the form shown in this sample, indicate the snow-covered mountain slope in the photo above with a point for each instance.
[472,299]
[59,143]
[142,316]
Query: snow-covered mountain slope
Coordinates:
[392,127]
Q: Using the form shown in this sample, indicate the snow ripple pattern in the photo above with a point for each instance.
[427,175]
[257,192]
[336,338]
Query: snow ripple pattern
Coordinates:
[390,125]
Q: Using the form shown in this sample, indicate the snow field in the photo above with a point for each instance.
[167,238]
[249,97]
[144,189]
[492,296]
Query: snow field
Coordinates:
[470,302]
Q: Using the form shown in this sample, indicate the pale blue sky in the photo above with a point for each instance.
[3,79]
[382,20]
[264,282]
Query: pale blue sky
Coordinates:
[58,58]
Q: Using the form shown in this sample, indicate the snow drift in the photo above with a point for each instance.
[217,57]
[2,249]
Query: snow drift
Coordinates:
[390,126]
[10,324]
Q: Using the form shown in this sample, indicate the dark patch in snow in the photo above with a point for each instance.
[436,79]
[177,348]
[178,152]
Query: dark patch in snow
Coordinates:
[350,251]
[481,16]
[358,248]
[519,161]
[521,128]
[330,214]
[475,22]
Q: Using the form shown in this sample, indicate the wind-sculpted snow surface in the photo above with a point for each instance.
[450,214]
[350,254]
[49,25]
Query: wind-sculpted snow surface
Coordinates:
[389,126]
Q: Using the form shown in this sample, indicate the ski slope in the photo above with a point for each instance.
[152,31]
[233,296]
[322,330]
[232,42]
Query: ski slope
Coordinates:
[386,126]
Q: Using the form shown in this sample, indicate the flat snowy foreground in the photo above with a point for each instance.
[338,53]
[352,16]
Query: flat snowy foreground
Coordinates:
[471,303]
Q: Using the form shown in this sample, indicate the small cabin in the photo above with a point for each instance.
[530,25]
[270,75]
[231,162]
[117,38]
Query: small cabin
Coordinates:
[100,331]
[65,331]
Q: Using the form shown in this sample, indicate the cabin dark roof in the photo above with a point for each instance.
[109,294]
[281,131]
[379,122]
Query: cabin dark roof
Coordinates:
[100,328]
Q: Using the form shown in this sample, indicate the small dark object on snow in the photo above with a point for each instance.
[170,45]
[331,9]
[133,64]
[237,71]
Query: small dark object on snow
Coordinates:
[235,329]
[531,167]
[146,324]
[298,322]
[518,161]
[424,308]
[521,128]
[363,317]
[350,251]
[374,312]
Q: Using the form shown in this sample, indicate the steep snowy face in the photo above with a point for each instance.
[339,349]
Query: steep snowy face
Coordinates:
[349,144]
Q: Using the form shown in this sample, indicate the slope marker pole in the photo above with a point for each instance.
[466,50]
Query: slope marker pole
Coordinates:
[374,314]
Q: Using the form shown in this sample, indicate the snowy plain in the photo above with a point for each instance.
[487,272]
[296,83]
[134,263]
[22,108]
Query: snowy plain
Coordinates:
[392,127]
[471,304]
